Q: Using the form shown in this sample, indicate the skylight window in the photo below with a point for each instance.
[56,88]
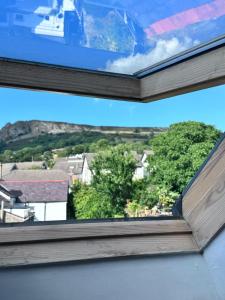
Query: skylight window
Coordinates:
[122,37]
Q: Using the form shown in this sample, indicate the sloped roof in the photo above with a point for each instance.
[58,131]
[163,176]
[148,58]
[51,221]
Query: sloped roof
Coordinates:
[7,168]
[38,191]
[89,157]
[4,194]
[69,166]
[30,165]
[36,175]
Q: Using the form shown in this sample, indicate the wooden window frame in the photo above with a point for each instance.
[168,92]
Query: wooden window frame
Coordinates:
[30,245]
[191,71]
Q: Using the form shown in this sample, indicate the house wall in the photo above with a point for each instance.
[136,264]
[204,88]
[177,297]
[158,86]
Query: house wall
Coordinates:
[139,173]
[49,211]
[183,277]
[56,211]
[86,175]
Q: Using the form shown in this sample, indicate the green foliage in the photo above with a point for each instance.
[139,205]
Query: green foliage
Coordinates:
[67,144]
[179,152]
[92,204]
[100,145]
[134,208]
[166,199]
[113,171]
[145,193]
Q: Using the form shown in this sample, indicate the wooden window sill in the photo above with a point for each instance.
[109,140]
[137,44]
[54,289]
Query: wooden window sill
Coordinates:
[31,245]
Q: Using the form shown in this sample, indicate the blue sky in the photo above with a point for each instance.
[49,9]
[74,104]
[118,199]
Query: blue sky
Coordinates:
[207,106]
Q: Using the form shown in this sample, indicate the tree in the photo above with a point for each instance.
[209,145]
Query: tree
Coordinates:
[113,172]
[179,152]
[100,145]
[92,204]
[145,193]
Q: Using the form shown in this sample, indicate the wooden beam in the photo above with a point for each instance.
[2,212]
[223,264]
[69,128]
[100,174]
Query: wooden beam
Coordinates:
[46,233]
[204,202]
[202,71]
[199,72]
[72,81]
[80,250]
[30,245]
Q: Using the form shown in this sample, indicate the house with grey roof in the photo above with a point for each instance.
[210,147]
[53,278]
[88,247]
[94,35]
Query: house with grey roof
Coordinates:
[71,165]
[40,193]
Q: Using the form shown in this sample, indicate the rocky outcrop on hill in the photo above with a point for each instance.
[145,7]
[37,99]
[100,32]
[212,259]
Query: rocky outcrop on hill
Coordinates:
[31,129]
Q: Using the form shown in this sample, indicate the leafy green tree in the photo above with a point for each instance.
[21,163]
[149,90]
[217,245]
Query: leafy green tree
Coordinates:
[100,145]
[166,199]
[113,172]
[179,152]
[7,156]
[79,149]
[92,204]
[145,193]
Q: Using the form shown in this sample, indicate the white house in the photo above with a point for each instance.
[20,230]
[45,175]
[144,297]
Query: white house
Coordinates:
[141,170]
[87,175]
[42,194]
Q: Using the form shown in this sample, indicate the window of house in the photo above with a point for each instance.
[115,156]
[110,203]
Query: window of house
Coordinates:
[128,159]
[69,158]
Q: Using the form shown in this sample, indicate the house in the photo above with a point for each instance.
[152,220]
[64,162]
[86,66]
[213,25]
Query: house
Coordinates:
[87,175]
[9,211]
[40,193]
[141,170]
[72,166]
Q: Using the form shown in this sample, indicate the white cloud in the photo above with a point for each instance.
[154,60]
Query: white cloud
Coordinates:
[163,50]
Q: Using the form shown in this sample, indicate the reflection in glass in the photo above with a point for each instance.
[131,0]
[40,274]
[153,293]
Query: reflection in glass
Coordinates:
[122,37]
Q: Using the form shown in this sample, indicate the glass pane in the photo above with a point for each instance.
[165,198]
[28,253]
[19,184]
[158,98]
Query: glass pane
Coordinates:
[116,36]
[130,160]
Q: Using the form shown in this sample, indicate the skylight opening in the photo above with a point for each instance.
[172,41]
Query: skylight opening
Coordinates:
[91,159]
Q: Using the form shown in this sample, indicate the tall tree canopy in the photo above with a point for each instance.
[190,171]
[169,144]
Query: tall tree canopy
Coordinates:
[113,171]
[179,152]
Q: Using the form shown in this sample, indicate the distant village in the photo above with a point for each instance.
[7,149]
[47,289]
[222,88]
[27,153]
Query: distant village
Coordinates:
[32,192]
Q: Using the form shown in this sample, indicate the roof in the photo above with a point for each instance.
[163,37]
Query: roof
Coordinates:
[5,191]
[30,165]
[69,166]
[38,191]
[5,195]
[7,168]
[137,158]
[89,157]
[36,175]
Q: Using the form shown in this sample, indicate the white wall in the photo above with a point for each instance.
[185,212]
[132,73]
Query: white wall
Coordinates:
[139,173]
[54,211]
[86,175]
[158,278]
